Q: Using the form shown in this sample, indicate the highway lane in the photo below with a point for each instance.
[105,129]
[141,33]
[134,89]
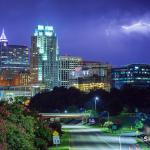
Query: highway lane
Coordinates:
[86,138]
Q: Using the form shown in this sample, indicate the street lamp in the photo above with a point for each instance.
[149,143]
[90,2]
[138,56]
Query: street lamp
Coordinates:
[96,99]
[107,115]
[65,111]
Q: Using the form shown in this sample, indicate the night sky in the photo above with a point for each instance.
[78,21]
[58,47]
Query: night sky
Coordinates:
[116,31]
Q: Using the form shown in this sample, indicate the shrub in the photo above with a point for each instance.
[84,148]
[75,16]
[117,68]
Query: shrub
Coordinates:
[108,124]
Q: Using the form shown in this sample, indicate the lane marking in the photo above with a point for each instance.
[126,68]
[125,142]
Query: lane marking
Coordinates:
[105,142]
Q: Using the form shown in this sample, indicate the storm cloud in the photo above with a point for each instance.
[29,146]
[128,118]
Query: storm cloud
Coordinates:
[116,31]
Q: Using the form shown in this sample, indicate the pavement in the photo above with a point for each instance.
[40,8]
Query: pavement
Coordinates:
[86,138]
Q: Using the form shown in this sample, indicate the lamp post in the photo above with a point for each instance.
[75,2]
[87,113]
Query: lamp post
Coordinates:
[107,115]
[96,99]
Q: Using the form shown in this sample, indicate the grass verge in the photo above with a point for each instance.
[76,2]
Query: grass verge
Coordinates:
[117,132]
[142,145]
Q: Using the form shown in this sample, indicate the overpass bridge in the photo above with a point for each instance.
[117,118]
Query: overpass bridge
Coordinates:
[65,115]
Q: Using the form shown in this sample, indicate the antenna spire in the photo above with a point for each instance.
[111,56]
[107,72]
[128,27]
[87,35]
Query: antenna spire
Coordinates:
[3,37]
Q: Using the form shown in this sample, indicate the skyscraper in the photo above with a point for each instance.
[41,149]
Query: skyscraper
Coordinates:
[67,65]
[13,58]
[14,69]
[45,57]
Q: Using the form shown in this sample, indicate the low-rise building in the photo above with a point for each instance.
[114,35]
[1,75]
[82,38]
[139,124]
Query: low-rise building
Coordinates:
[91,76]
[137,75]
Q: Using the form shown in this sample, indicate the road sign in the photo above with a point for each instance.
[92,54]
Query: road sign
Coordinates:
[56,140]
[55,133]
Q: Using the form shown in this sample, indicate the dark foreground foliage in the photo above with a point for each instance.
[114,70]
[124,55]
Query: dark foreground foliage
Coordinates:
[21,129]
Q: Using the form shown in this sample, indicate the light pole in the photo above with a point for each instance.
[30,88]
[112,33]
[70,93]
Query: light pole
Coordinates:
[96,99]
[107,115]
[65,111]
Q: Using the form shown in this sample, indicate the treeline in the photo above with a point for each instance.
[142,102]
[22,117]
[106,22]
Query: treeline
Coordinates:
[127,99]
[58,100]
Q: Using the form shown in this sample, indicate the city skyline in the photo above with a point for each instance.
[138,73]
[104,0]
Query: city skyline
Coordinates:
[111,31]
[75,74]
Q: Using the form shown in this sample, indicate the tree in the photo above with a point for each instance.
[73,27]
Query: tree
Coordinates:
[22,129]
[59,99]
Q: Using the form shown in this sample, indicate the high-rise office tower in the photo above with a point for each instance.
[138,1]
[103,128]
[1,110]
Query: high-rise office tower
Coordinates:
[14,70]
[45,57]
[66,66]
[13,58]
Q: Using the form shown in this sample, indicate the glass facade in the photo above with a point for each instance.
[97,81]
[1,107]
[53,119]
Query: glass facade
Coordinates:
[44,57]
[14,64]
[14,57]
[66,66]
[134,74]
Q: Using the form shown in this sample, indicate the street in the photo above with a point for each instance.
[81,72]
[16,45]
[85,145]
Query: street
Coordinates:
[86,138]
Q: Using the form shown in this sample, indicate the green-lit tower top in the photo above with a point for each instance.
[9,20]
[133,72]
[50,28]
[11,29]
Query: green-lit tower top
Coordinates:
[44,31]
